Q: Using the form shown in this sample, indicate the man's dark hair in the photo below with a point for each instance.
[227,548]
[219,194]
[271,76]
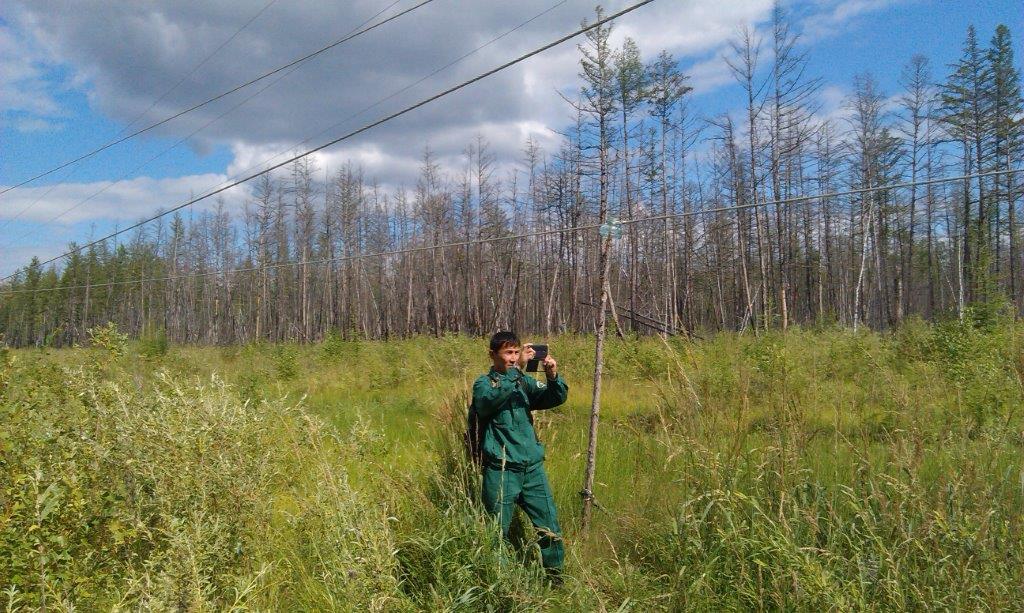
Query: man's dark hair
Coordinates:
[503,339]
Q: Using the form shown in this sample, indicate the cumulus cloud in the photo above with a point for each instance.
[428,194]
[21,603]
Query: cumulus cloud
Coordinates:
[126,55]
[25,84]
[710,74]
[125,201]
[833,105]
[130,53]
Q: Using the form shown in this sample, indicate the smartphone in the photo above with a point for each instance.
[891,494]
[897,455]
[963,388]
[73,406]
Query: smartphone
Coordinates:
[542,352]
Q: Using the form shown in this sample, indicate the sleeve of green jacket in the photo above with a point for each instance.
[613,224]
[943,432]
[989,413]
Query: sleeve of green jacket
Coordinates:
[549,396]
[488,399]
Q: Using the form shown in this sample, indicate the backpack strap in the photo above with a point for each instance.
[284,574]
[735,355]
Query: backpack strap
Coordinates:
[473,439]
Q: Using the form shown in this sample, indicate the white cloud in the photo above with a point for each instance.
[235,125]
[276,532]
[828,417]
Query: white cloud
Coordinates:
[837,15]
[14,258]
[24,86]
[33,124]
[130,54]
[710,74]
[691,28]
[126,55]
[126,201]
[834,106]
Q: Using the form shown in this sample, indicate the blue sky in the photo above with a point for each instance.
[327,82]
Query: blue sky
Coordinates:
[75,81]
[882,41]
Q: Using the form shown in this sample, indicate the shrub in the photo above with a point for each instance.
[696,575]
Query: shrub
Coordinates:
[333,348]
[178,496]
[153,343]
[913,340]
[108,338]
[285,360]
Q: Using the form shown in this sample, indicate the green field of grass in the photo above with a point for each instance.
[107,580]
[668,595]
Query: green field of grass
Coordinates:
[806,470]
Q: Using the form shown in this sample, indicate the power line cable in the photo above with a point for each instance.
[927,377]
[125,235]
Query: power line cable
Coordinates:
[408,109]
[183,139]
[306,140]
[395,93]
[512,237]
[200,65]
[153,104]
[147,162]
[215,98]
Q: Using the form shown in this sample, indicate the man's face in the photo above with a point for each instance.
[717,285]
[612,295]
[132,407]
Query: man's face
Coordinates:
[505,358]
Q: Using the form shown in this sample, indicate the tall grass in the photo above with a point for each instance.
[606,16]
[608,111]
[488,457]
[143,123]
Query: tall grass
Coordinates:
[811,470]
[170,493]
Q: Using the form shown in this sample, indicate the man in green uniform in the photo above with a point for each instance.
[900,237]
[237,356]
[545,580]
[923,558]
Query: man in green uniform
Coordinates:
[513,457]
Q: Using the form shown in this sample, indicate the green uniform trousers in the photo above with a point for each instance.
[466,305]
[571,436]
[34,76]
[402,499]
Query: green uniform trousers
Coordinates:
[529,489]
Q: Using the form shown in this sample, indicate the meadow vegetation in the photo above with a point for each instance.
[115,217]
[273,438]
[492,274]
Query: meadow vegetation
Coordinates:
[806,470]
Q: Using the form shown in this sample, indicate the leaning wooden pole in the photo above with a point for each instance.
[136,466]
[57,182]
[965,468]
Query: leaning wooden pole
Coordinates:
[595,404]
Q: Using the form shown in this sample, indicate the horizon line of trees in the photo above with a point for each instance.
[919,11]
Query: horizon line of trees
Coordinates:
[635,150]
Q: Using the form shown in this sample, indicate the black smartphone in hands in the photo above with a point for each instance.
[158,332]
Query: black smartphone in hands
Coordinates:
[542,353]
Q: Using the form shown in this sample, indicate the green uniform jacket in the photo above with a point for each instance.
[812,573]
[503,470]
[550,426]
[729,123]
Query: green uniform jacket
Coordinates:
[503,402]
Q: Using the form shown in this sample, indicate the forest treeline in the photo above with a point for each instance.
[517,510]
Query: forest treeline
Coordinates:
[636,150]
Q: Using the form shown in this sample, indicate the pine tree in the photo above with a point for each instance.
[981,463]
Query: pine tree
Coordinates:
[1007,119]
[966,114]
[915,126]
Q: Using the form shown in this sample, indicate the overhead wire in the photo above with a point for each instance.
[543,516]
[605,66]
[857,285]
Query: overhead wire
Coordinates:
[199,65]
[184,139]
[153,104]
[325,130]
[215,98]
[397,92]
[513,237]
[369,126]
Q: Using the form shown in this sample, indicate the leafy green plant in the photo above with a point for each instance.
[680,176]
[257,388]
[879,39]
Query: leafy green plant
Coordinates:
[108,338]
[334,348]
[285,361]
[153,343]
[178,496]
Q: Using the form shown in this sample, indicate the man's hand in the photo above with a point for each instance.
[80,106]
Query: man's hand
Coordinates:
[550,367]
[527,354]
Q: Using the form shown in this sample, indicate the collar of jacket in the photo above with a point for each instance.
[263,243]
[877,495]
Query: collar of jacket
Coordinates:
[512,374]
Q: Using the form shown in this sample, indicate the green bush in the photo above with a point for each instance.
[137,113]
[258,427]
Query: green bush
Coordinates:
[108,338]
[285,361]
[153,344]
[177,497]
[913,341]
[334,348]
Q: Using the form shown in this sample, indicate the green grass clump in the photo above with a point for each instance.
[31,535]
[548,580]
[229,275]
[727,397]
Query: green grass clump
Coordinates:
[153,344]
